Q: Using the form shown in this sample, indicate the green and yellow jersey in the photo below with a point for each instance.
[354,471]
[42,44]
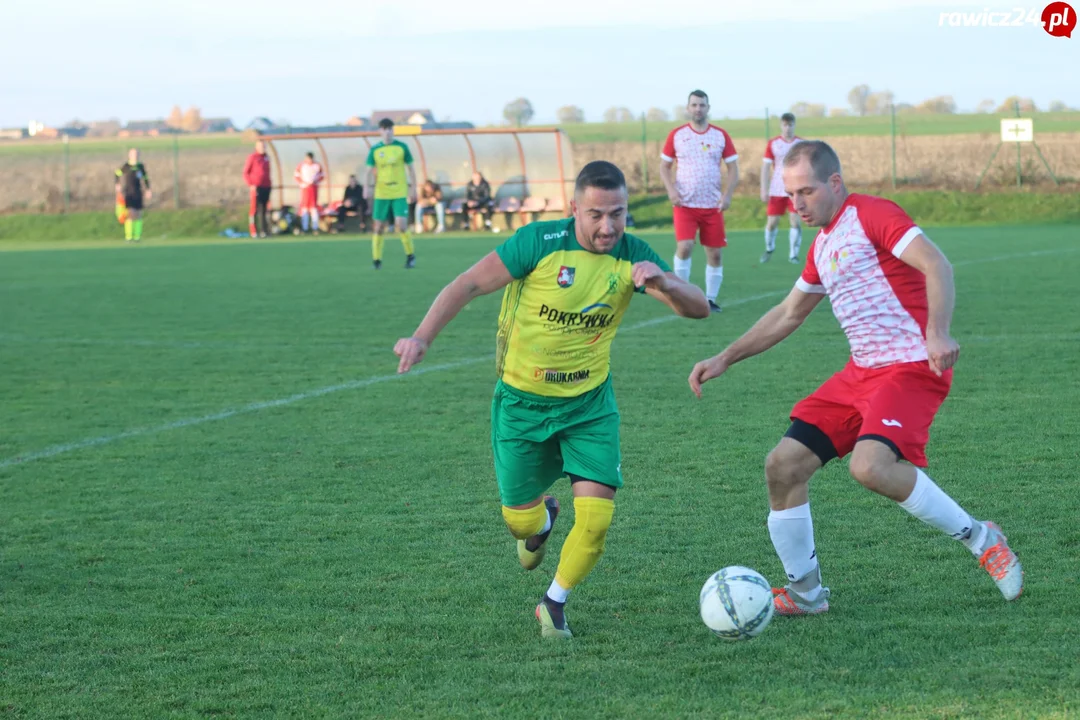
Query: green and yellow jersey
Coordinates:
[389,161]
[561,313]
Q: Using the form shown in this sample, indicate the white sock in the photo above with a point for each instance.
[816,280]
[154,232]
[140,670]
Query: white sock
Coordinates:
[315,218]
[714,277]
[557,592]
[795,241]
[792,533]
[547,523]
[682,268]
[770,238]
[930,504]
[304,221]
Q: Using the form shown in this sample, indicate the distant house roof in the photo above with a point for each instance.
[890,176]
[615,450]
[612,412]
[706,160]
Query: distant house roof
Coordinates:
[260,124]
[359,122]
[146,125]
[404,117]
[217,124]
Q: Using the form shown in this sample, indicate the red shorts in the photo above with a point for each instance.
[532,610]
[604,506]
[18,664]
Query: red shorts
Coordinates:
[710,221]
[780,205]
[894,404]
[309,197]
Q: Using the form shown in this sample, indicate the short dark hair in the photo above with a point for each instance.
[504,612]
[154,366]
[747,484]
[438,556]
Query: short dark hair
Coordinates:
[386,124]
[600,174]
[823,159]
[311,155]
[787,117]
[698,93]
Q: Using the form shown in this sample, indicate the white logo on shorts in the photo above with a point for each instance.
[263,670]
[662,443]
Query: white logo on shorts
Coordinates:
[892,423]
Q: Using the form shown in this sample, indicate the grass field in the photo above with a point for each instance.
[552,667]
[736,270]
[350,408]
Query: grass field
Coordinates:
[217,499]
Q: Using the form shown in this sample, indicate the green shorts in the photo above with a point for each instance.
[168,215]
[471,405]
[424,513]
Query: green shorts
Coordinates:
[383,209]
[536,440]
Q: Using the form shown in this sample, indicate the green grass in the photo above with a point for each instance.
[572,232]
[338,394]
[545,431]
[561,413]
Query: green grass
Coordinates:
[342,554]
[942,208]
[906,124]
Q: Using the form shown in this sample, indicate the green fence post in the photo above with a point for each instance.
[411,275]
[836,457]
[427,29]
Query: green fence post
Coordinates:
[67,168]
[892,132]
[176,171]
[1019,176]
[645,152]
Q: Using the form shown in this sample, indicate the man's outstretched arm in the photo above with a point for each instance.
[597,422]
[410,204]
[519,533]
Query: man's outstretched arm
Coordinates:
[685,299]
[773,327]
[486,276]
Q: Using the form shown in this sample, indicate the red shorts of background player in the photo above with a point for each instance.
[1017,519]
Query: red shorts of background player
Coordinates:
[309,197]
[710,221]
[780,205]
[894,405]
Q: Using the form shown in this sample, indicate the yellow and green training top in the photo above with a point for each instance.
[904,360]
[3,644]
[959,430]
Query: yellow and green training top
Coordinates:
[389,161]
[561,313]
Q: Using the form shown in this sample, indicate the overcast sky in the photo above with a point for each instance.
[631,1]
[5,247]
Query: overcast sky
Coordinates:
[319,63]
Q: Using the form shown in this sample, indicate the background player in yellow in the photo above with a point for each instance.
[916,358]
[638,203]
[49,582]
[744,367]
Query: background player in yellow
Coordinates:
[567,285]
[391,181]
[133,185]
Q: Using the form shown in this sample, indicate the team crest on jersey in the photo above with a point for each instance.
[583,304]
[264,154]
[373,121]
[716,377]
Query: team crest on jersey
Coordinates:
[612,283]
[566,276]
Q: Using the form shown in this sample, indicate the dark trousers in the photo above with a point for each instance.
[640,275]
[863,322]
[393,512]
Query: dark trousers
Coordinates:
[260,199]
[487,208]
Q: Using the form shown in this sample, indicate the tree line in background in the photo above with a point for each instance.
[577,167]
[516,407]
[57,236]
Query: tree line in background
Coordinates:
[862,101]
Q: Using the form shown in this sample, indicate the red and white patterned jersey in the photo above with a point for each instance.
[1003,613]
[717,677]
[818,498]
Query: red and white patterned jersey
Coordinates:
[308,173]
[775,150]
[879,299]
[697,177]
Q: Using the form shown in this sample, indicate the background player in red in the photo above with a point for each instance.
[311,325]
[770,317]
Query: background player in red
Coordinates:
[257,177]
[892,291]
[772,191]
[698,149]
[308,175]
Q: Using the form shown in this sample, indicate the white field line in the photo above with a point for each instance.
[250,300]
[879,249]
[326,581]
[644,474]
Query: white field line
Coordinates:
[55,450]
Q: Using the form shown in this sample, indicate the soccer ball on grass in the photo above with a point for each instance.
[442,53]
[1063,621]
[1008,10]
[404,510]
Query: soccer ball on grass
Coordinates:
[736,603]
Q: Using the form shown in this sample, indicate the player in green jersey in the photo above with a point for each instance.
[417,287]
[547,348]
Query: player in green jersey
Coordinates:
[391,180]
[567,285]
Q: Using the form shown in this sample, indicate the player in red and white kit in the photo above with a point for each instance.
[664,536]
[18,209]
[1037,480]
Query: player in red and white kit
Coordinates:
[697,199]
[772,191]
[892,291]
[308,175]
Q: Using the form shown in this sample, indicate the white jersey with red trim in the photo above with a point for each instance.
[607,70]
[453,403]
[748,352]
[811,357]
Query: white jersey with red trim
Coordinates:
[775,150]
[308,174]
[697,177]
[879,300]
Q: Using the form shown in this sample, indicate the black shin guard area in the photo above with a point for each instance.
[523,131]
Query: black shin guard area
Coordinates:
[813,438]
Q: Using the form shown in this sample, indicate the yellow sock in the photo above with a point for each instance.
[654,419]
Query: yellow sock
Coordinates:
[127,228]
[585,543]
[406,241]
[137,229]
[376,247]
[524,524]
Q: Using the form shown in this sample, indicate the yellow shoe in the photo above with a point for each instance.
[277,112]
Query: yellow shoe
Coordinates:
[531,559]
[548,627]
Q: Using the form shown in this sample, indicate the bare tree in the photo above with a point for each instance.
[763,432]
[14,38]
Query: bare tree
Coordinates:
[618,115]
[838,112]
[192,121]
[985,106]
[176,118]
[806,109]
[1058,106]
[518,112]
[941,105]
[857,97]
[570,114]
[680,114]
[655,114]
[1027,105]
[878,103]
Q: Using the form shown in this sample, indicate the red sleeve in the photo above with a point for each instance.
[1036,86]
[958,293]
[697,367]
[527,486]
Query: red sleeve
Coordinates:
[768,151]
[248,167]
[668,153]
[810,280]
[886,224]
[729,153]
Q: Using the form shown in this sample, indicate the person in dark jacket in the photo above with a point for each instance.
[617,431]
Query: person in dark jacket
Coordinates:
[352,203]
[257,177]
[478,200]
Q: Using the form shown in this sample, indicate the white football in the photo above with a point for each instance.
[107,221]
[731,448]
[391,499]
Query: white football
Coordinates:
[736,603]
